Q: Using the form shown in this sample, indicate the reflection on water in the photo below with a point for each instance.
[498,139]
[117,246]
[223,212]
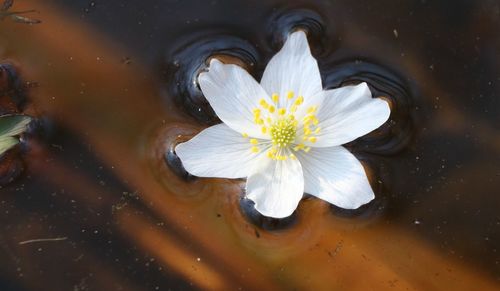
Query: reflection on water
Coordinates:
[116,89]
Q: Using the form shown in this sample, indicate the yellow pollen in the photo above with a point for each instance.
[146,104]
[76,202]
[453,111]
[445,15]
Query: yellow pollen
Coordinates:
[299,100]
[298,147]
[263,103]
[245,135]
[283,132]
[275,98]
[282,127]
[312,109]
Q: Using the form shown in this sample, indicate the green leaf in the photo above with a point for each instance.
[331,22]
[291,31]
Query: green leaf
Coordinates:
[11,125]
[6,143]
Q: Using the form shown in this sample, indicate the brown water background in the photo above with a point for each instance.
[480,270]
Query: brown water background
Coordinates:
[114,92]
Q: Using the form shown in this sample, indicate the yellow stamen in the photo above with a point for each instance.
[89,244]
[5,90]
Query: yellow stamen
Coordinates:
[282,127]
[298,147]
[299,100]
[263,103]
[312,109]
[275,98]
[245,135]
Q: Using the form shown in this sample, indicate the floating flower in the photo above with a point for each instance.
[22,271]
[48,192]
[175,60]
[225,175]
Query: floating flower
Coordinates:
[285,134]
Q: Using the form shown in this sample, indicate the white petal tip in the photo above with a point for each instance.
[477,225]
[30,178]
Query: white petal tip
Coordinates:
[385,110]
[272,213]
[364,85]
[298,32]
[357,204]
[214,62]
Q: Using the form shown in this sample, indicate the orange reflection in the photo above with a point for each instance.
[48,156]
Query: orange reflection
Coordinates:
[171,253]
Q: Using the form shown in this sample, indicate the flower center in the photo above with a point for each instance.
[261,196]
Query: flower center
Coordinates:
[283,131]
[283,127]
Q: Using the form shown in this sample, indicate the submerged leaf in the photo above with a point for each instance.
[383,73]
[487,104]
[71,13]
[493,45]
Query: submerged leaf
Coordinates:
[6,5]
[6,143]
[11,125]
[22,19]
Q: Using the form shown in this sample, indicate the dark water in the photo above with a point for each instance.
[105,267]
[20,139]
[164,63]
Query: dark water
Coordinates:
[116,91]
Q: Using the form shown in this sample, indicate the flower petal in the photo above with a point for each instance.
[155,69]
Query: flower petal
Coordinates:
[11,125]
[336,176]
[6,143]
[294,69]
[218,151]
[233,94]
[276,187]
[348,113]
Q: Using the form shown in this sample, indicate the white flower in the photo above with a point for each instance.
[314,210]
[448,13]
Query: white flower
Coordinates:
[285,134]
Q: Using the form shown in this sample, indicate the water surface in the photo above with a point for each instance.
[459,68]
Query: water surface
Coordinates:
[115,91]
